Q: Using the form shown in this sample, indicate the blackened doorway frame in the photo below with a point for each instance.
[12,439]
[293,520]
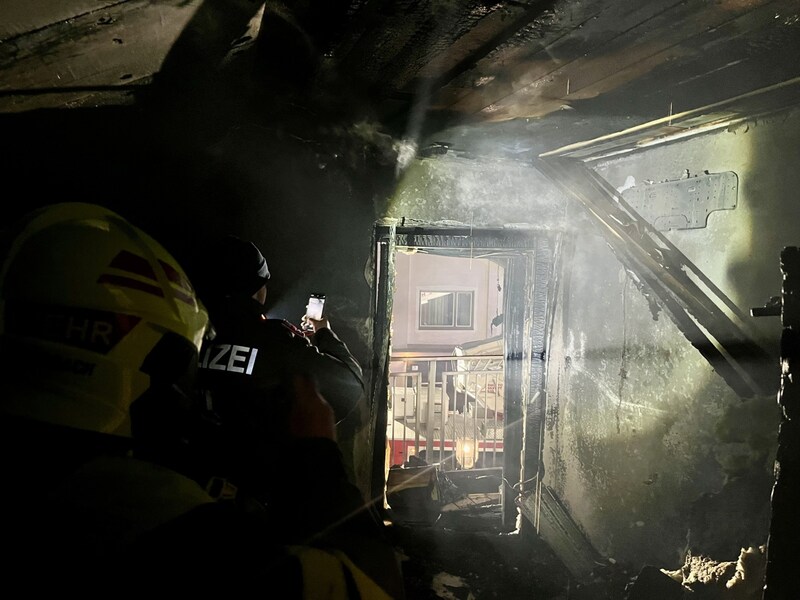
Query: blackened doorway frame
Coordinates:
[529,288]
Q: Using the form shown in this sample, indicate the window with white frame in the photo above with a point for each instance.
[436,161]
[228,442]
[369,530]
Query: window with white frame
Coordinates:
[445,309]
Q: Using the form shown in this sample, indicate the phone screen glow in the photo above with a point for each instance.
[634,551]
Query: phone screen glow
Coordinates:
[314,308]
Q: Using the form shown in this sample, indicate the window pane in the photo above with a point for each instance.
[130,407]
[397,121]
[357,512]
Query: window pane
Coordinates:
[436,309]
[464,309]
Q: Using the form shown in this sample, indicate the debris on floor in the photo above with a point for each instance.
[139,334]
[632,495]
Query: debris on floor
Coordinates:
[701,578]
[466,556]
[445,586]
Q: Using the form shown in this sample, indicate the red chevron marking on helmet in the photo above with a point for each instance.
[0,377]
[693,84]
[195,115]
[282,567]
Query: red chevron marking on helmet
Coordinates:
[174,276]
[122,281]
[138,265]
[182,282]
[184,297]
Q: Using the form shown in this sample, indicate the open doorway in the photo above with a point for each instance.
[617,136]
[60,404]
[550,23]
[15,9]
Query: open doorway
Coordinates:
[444,409]
[462,361]
[446,377]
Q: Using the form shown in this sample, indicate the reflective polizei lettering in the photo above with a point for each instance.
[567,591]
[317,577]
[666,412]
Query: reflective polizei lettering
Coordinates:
[229,357]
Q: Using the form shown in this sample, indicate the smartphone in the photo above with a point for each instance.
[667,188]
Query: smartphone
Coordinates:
[316,303]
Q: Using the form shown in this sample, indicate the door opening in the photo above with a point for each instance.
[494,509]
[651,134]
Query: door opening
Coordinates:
[455,306]
[444,409]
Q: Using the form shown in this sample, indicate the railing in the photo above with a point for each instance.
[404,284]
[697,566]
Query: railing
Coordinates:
[455,403]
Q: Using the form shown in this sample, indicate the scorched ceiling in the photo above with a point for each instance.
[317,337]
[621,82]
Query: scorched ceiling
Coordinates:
[415,66]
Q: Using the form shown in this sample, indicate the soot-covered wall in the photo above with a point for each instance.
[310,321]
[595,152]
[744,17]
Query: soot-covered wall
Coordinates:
[654,452]
[651,451]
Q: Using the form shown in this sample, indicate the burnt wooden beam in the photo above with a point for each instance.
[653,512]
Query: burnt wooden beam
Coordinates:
[707,318]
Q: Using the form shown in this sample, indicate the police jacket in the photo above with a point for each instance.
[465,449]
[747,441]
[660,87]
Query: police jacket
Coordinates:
[243,384]
[83,514]
[253,355]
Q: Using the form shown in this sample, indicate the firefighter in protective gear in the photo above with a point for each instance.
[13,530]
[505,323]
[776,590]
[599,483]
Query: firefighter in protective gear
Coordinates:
[92,312]
[99,336]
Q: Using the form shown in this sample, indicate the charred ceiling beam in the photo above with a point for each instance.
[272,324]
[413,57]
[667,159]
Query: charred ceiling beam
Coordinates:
[730,112]
[708,319]
[515,18]
[546,68]
[404,51]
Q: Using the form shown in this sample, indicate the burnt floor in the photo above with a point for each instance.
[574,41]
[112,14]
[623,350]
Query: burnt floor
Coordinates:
[464,555]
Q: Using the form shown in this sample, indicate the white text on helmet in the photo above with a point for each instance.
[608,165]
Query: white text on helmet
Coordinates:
[94,330]
[82,329]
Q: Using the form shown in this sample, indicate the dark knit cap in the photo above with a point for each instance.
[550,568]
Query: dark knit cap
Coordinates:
[235,266]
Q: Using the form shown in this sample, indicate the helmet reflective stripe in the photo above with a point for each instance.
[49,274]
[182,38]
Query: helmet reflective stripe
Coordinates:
[139,266]
[185,291]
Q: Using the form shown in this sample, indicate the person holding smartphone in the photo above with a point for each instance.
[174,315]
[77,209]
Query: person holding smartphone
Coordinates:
[247,357]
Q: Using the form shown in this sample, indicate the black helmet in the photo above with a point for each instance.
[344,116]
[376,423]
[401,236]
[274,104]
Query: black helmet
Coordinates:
[234,267]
